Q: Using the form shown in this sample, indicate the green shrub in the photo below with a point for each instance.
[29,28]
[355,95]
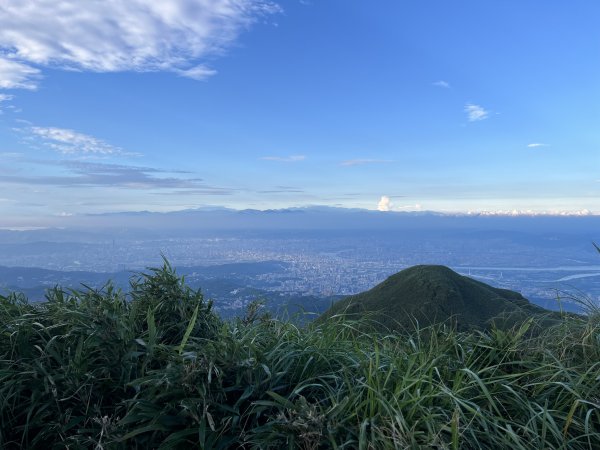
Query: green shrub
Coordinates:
[157,369]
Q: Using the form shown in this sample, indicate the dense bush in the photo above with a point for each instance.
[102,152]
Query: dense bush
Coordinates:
[156,368]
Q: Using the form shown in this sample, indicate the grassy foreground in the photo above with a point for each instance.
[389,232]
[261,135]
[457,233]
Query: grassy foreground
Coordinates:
[157,369]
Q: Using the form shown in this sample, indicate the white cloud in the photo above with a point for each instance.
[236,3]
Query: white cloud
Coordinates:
[415,207]
[4,98]
[199,72]
[293,158]
[442,84]
[360,162]
[114,35]
[476,112]
[529,212]
[536,144]
[16,75]
[385,204]
[71,142]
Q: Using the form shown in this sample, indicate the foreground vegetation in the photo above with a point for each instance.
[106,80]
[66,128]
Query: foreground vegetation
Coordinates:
[156,368]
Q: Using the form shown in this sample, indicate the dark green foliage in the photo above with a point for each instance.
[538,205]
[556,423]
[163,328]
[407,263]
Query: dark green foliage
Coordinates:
[94,369]
[66,365]
[435,294]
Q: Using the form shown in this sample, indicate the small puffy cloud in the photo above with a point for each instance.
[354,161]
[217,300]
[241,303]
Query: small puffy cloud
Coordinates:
[536,144]
[293,158]
[442,84]
[360,162]
[113,36]
[71,142]
[476,112]
[385,204]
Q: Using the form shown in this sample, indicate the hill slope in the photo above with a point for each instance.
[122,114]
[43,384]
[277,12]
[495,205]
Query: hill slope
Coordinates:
[432,294]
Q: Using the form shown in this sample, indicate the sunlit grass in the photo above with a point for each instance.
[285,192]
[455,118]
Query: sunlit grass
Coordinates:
[157,369]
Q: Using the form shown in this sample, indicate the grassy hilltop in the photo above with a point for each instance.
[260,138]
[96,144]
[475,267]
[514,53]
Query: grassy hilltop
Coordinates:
[435,294]
[156,368]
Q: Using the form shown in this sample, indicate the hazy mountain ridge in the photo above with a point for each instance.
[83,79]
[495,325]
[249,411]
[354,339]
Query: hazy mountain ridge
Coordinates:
[309,218]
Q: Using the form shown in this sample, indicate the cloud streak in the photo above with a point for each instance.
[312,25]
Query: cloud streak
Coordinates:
[71,142]
[362,162]
[288,159]
[91,174]
[475,112]
[4,98]
[113,36]
[442,84]
[536,144]
[283,190]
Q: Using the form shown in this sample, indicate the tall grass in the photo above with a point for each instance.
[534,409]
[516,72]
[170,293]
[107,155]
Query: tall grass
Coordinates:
[157,369]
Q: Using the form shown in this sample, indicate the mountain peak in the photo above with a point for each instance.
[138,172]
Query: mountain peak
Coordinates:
[432,294]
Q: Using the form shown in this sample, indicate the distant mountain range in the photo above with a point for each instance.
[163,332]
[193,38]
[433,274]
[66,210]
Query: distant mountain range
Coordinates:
[432,294]
[308,218]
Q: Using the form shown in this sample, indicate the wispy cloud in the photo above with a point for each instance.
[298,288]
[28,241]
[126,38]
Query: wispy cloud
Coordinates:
[283,190]
[113,36]
[476,112]
[93,174]
[199,72]
[361,162]
[292,158]
[4,98]
[68,141]
[14,74]
[536,144]
[442,84]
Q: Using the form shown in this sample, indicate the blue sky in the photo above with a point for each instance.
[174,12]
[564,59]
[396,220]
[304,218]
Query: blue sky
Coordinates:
[398,105]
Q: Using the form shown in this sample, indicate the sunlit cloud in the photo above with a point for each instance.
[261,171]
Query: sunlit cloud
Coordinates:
[536,144]
[113,36]
[476,112]
[384,204]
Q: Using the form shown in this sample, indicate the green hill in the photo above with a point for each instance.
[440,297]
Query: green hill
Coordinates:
[433,294]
